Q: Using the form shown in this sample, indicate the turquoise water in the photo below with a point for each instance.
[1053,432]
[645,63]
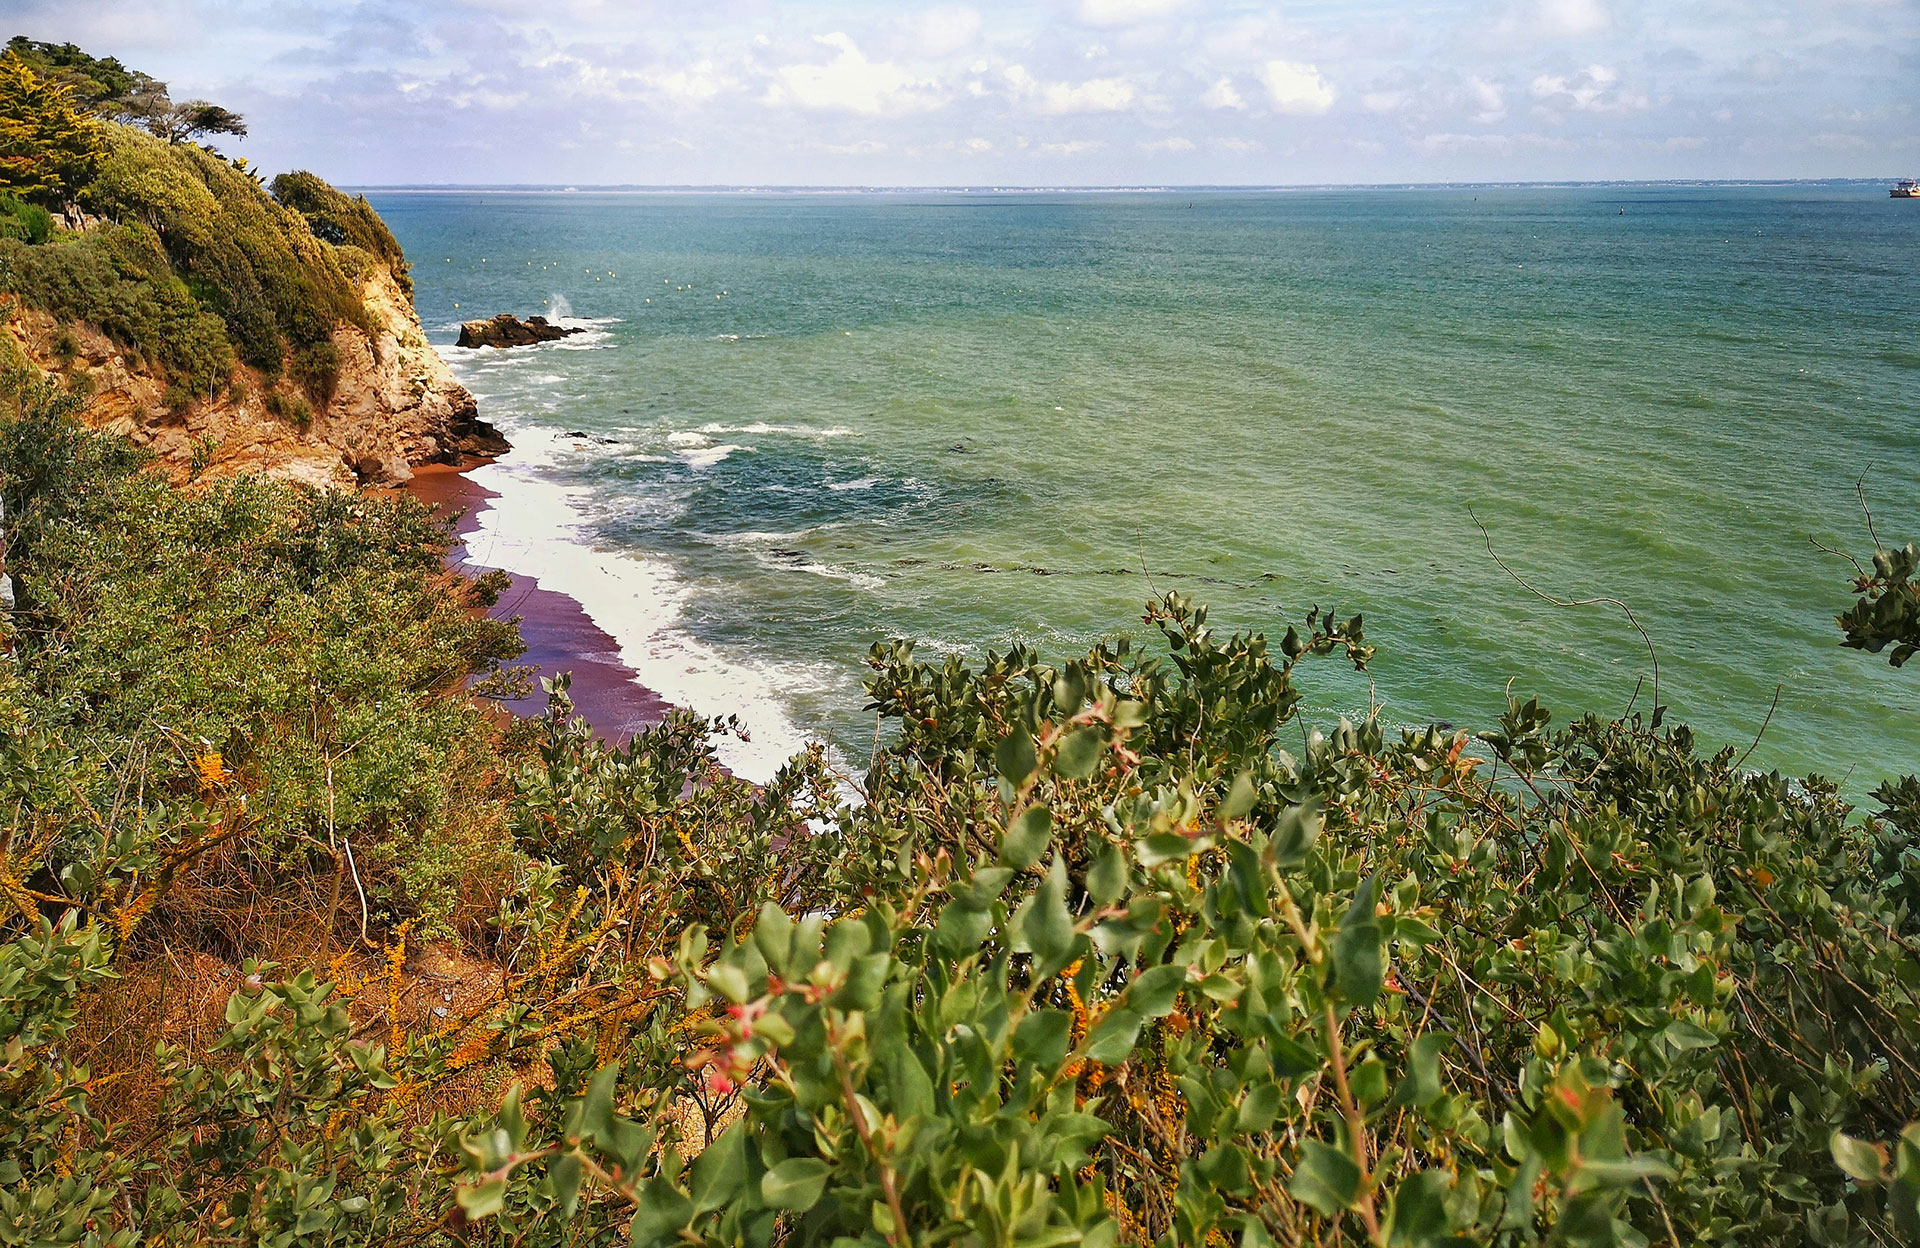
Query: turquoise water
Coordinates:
[818,421]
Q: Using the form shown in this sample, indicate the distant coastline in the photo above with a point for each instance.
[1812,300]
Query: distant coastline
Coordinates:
[521,188]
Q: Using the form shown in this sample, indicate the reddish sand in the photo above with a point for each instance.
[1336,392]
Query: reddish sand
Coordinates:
[559,635]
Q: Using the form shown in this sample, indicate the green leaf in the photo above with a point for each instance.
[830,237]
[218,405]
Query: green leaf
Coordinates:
[1114,1036]
[659,1214]
[1240,798]
[1043,1037]
[1683,1035]
[1359,968]
[1325,1179]
[1107,877]
[773,934]
[1863,1160]
[1421,1086]
[720,1171]
[1296,831]
[563,1181]
[1153,991]
[729,981]
[1259,1109]
[482,1200]
[1027,837]
[1369,1082]
[1014,757]
[795,1183]
[1417,1210]
[1049,927]
[1078,753]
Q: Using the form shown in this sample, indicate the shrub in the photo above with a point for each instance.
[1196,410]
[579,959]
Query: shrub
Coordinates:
[341,220]
[252,261]
[1100,955]
[29,223]
[118,279]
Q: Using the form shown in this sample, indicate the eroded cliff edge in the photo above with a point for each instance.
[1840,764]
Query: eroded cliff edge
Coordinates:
[232,327]
[395,403]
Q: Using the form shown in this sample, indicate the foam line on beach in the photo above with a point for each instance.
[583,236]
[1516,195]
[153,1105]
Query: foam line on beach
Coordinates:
[539,528]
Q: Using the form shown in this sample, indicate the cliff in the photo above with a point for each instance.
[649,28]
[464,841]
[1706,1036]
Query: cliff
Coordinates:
[395,404]
[232,331]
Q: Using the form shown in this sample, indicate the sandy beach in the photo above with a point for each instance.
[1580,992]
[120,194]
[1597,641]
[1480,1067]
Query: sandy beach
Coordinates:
[559,635]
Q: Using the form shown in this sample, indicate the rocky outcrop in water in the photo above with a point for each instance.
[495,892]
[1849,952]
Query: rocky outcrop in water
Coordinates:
[507,330]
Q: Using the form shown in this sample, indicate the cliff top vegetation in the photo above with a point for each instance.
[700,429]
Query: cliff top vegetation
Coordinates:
[184,258]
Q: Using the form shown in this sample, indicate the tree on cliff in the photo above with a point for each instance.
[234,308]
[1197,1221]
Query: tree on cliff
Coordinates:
[113,92]
[48,143]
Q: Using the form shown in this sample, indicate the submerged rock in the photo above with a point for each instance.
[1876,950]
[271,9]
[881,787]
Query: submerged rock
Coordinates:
[507,330]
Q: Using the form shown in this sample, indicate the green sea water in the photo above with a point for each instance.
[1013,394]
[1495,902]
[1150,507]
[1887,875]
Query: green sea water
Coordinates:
[799,424]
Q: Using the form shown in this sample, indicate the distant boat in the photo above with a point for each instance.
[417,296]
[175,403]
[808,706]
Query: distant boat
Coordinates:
[1907,189]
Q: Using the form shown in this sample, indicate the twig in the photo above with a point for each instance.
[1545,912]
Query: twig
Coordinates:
[1859,489]
[1763,726]
[1822,546]
[1578,602]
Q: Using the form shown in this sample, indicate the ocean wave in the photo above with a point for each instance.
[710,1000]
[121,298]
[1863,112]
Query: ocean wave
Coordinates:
[538,529]
[708,456]
[859,483]
[795,561]
[761,428]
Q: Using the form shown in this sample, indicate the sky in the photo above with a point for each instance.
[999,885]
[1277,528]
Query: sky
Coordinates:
[1050,93]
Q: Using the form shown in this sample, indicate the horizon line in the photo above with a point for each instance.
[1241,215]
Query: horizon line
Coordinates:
[585,188]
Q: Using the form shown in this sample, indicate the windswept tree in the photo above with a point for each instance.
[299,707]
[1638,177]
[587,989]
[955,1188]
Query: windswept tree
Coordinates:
[177,123]
[49,143]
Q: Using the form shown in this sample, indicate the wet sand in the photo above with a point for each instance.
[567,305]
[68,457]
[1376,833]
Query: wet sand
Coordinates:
[559,635]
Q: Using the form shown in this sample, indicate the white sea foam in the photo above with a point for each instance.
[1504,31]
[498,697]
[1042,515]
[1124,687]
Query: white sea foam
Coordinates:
[689,439]
[859,580]
[761,428]
[537,528]
[859,483]
[708,456]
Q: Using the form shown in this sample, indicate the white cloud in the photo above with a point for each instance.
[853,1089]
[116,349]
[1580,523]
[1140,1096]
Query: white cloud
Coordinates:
[1175,144]
[1125,12]
[865,147]
[1072,147]
[695,84]
[1499,144]
[1592,90]
[1488,101]
[942,32]
[1297,88]
[976,147]
[1385,101]
[1096,95]
[1573,18]
[850,83]
[1237,145]
[1223,94]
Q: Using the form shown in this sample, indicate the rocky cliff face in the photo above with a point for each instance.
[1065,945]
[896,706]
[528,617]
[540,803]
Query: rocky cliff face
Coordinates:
[396,404]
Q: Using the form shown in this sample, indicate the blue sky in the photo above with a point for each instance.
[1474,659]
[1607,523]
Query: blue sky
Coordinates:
[1058,92]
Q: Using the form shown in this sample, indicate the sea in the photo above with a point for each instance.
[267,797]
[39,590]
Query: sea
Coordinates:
[798,424]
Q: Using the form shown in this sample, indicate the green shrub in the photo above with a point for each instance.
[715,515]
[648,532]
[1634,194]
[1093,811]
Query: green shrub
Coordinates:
[29,223]
[251,260]
[292,408]
[307,639]
[118,279]
[342,220]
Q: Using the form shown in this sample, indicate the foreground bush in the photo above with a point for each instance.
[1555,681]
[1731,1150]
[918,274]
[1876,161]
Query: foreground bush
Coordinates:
[1103,951]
